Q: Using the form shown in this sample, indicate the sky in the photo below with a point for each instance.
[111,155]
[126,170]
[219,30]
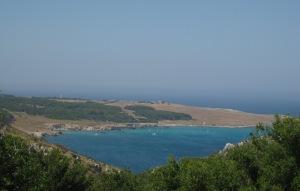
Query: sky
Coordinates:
[176,50]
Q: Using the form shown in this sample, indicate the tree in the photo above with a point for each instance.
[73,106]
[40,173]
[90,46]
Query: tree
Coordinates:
[23,167]
[166,177]
[5,118]
[115,181]
[286,131]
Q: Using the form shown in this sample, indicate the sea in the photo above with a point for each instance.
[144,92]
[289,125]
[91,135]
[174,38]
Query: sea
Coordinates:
[144,148]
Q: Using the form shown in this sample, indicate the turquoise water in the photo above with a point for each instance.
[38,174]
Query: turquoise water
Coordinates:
[140,149]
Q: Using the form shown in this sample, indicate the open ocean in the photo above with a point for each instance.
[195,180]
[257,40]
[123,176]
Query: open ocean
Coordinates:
[144,148]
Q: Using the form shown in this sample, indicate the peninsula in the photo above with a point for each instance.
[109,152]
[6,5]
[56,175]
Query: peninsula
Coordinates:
[40,115]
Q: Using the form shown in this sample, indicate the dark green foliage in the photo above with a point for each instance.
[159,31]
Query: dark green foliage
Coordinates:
[246,158]
[151,115]
[196,175]
[63,177]
[21,168]
[25,167]
[224,174]
[266,162]
[115,181]
[5,118]
[214,173]
[270,159]
[287,133]
[166,177]
[296,183]
[64,110]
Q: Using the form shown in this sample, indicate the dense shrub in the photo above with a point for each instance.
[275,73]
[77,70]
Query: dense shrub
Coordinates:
[166,177]
[123,180]
[5,118]
[24,167]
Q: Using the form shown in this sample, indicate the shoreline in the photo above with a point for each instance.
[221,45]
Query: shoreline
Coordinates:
[58,132]
[40,126]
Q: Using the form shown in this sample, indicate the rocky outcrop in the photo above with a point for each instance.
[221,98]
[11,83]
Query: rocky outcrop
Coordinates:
[229,146]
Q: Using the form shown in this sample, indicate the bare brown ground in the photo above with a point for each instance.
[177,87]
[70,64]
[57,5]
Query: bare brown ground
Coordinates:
[28,123]
[213,116]
[32,124]
[206,116]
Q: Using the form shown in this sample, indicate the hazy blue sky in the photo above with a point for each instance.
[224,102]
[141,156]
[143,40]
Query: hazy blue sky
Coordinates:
[169,49]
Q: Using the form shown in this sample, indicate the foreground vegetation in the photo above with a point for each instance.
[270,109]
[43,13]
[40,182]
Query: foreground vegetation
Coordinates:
[5,118]
[84,110]
[268,161]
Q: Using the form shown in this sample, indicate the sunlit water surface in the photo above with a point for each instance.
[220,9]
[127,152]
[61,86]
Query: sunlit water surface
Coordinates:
[140,149]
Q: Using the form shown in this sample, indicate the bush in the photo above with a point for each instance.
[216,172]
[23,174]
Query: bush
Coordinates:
[286,131]
[296,183]
[115,181]
[166,177]
[5,118]
[25,167]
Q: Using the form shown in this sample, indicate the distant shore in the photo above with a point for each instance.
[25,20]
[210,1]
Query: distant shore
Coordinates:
[60,131]
[201,117]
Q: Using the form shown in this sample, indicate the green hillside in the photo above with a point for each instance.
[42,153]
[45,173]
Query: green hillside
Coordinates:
[84,110]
